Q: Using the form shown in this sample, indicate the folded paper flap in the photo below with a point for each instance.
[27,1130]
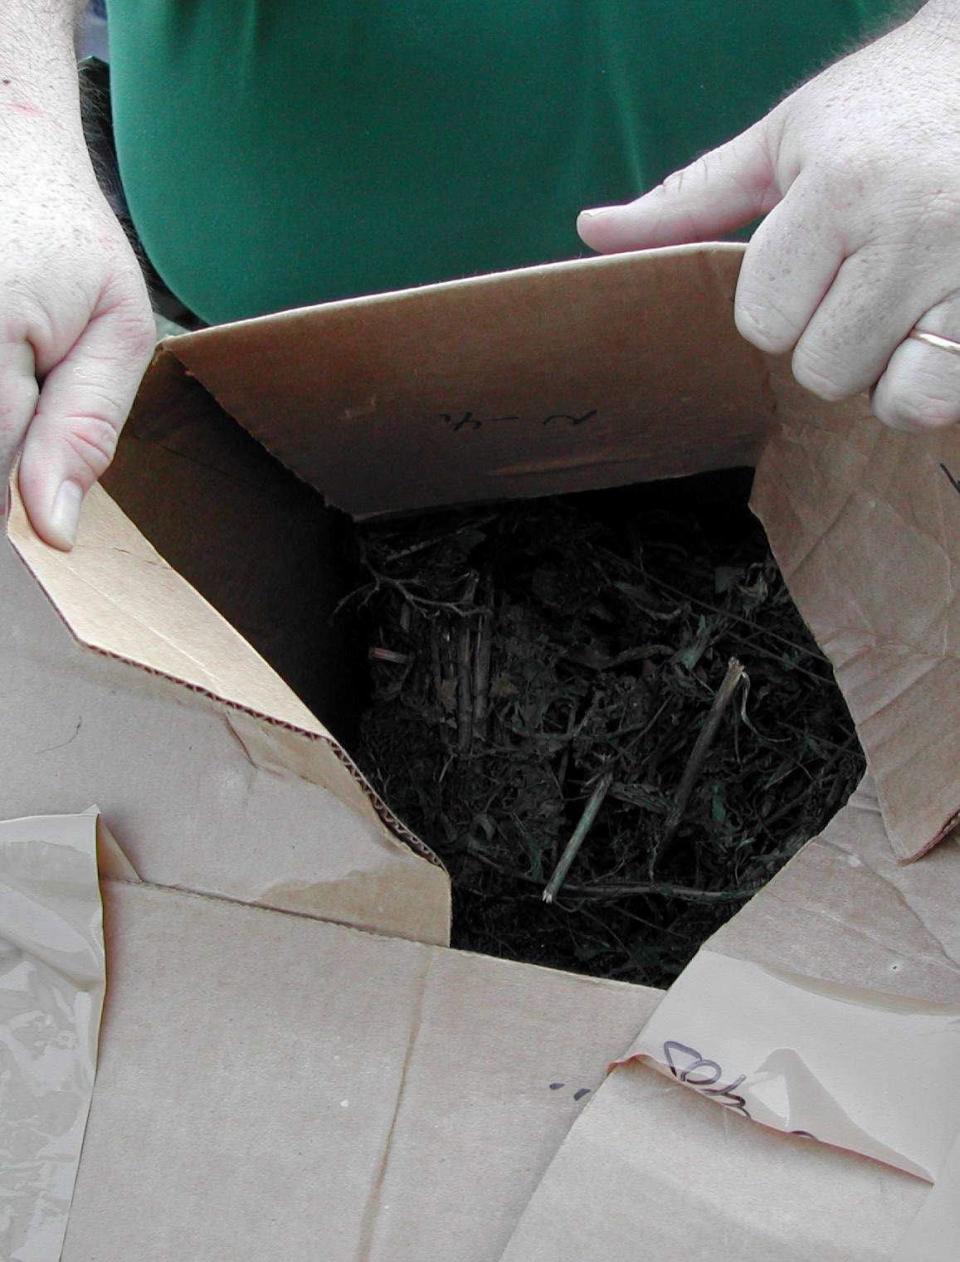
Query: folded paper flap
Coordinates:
[554,378]
[252,538]
[812,1057]
[117,595]
[651,1161]
[804,1008]
[302,827]
[112,863]
[865,525]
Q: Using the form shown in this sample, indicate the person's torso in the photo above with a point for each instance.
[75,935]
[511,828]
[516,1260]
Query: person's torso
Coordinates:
[276,154]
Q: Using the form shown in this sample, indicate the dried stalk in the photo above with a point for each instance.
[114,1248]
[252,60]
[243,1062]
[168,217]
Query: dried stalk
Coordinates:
[483,652]
[610,891]
[464,690]
[572,847]
[735,673]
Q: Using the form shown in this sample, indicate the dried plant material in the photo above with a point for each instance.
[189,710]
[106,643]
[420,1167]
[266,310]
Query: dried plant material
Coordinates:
[542,649]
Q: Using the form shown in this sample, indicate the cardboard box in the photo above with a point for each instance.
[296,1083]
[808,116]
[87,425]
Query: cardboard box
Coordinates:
[272,1085]
[223,788]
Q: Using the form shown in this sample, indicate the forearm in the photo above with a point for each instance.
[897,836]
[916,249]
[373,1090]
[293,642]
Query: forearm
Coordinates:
[38,72]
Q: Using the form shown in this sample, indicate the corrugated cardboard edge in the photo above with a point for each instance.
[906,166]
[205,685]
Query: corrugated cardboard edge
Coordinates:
[48,567]
[705,251]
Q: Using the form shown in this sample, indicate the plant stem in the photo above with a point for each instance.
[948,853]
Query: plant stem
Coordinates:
[735,673]
[579,834]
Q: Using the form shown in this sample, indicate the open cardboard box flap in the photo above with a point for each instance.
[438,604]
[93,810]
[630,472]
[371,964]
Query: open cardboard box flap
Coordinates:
[599,373]
[214,773]
[270,1085]
[218,780]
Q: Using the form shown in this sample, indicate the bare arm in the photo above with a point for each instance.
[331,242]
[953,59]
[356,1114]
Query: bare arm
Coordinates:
[75,324]
[858,173]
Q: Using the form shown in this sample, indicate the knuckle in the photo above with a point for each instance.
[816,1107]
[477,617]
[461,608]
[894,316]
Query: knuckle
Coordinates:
[914,410]
[763,325]
[820,378]
[135,333]
[937,214]
[92,440]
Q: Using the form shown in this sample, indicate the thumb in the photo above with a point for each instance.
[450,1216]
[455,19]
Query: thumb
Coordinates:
[82,406]
[723,190]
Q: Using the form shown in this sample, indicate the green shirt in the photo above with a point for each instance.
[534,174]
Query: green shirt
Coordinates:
[276,154]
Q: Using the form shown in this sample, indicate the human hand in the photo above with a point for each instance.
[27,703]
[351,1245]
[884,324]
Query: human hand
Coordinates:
[860,173]
[76,329]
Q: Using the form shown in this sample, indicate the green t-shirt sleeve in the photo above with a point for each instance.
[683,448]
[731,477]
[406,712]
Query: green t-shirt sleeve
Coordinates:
[277,154]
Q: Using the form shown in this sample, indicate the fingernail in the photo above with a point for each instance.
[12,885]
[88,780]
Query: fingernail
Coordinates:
[66,514]
[598,212]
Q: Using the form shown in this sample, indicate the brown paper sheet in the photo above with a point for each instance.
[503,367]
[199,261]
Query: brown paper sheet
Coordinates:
[934,1235]
[865,525]
[271,1085]
[828,1005]
[834,988]
[51,994]
[652,1170]
[862,1070]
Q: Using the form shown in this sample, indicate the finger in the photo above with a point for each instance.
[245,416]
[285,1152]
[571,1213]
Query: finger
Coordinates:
[724,189]
[790,264]
[18,399]
[920,389]
[869,309]
[83,403]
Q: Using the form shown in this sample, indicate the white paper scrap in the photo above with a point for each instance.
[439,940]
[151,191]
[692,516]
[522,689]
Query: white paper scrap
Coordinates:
[52,977]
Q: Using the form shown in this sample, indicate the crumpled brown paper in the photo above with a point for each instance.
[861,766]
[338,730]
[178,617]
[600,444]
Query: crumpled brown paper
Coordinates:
[52,979]
[830,1005]
[852,1067]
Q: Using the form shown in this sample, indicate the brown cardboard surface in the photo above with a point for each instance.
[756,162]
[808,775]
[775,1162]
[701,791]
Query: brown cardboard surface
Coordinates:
[242,530]
[564,377]
[605,371]
[865,525]
[474,390]
[867,946]
[273,1086]
[652,1170]
[212,771]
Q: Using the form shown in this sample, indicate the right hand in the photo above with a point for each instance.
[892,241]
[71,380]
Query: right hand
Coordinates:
[76,328]
[858,177]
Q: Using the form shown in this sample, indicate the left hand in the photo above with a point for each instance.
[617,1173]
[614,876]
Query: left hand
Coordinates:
[860,173]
